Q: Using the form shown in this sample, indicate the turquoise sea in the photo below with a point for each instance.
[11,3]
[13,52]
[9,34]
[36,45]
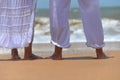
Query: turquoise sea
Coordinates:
[106,12]
[109,8]
[103,3]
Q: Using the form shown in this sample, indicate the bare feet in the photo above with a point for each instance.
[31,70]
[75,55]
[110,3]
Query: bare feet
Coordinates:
[28,53]
[100,54]
[57,55]
[14,54]
[32,57]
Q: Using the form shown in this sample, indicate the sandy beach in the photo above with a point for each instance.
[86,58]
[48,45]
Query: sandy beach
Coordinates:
[78,63]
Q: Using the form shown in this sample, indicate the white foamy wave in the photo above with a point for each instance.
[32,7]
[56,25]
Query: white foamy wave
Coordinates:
[111,29]
[42,30]
[110,22]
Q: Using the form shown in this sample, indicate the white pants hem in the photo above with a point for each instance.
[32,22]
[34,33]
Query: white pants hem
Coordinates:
[59,45]
[96,46]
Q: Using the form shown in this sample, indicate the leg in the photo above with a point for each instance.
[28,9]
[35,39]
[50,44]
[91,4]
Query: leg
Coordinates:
[14,53]
[92,23]
[57,54]
[100,54]
[28,53]
[59,26]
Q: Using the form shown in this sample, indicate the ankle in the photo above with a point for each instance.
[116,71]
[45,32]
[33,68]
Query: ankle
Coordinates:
[58,50]
[28,51]
[57,54]
[14,52]
[100,54]
[100,50]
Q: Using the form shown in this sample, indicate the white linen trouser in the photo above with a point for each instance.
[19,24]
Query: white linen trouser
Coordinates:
[59,24]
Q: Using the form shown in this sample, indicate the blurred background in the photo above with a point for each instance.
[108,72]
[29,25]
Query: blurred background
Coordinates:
[110,16]
[110,13]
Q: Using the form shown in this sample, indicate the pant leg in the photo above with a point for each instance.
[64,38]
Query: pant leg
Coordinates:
[59,25]
[92,23]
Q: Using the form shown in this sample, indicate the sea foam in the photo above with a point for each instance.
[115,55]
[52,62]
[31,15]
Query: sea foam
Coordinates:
[42,30]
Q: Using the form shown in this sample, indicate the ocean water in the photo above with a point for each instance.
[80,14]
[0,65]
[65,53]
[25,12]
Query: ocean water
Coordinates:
[110,17]
[110,13]
[44,4]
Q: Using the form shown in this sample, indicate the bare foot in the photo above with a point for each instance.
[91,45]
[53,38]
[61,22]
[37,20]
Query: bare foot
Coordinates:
[32,57]
[57,54]
[100,54]
[28,53]
[103,56]
[15,55]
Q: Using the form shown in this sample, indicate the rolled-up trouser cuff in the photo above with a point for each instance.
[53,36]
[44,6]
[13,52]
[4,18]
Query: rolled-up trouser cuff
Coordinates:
[96,46]
[67,45]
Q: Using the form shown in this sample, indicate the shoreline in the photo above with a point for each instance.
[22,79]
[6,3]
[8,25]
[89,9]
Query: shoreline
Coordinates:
[76,47]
